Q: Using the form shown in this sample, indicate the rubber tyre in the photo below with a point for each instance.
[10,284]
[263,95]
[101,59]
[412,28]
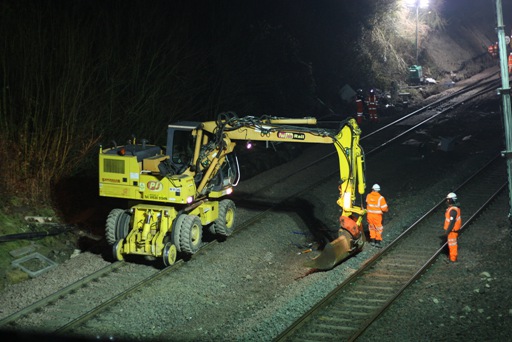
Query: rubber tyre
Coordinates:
[169,254]
[225,224]
[176,230]
[117,226]
[116,250]
[191,233]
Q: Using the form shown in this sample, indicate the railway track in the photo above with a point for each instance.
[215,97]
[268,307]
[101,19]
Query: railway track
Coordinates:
[352,307]
[400,128]
[80,298]
[72,306]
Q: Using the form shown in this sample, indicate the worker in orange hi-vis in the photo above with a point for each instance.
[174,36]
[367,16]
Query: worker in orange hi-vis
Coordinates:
[375,206]
[489,49]
[372,106]
[359,106]
[452,224]
[510,63]
[493,50]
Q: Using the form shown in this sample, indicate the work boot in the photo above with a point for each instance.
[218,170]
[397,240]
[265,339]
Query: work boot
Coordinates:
[378,244]
[372,242]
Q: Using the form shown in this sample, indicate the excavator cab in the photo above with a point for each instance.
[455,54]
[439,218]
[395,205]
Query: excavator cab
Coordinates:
[229,174]
[190,151]
[179,148]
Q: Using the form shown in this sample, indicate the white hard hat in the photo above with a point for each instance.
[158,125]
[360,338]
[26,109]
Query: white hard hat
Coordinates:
[451,196]
[376,187]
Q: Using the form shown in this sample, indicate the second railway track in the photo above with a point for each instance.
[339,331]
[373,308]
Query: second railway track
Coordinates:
[357,302]
[314,171]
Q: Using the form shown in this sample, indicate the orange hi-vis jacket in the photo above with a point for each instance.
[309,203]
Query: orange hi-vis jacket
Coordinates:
[372,102]
[493,50]
[375,203]
[447,216]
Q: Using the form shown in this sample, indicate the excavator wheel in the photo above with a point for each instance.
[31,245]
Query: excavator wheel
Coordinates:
[175,233]
[169,254]
[117,249]
[190,233]
[225,224]
[117,226]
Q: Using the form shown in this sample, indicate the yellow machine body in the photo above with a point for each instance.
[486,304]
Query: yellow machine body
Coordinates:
[182,187]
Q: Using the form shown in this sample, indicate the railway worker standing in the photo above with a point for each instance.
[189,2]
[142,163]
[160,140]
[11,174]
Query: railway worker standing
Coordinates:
[375,206]
[452,224]
[359,106]
[372,106]
[493,50]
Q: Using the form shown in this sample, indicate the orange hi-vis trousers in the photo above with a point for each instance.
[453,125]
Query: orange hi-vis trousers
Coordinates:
[375,226]
[452,245]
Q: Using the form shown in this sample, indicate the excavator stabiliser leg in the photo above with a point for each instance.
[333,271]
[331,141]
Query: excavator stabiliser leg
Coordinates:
[339,249]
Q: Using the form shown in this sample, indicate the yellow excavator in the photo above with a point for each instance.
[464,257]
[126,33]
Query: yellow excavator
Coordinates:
[182,188]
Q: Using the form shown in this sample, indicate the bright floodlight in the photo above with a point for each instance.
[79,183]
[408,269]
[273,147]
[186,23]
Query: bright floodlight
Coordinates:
[416,3]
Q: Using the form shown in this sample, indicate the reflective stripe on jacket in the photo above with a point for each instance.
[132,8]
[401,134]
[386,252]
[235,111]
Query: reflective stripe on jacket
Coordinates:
[372,99]
[447,218]
[375,203]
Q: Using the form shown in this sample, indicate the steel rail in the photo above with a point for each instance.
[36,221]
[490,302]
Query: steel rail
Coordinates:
[63,293]
[347,311]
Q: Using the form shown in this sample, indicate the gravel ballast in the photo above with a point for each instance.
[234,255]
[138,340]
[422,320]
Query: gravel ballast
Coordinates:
[253,285]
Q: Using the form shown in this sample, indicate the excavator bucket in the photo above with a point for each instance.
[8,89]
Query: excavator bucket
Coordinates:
[335,252]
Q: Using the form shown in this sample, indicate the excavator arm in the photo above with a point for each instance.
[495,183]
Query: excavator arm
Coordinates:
[231,129]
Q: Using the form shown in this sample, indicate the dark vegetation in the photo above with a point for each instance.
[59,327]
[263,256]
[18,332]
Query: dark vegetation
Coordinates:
[75,74]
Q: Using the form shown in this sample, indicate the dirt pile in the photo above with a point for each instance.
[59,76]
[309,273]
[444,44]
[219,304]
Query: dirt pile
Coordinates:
[459,50]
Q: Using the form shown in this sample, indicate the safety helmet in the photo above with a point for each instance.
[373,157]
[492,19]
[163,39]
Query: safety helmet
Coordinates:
[451,196]
[376,187]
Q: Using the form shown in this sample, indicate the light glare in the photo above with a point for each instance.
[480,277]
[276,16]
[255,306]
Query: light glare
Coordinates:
[417,3]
